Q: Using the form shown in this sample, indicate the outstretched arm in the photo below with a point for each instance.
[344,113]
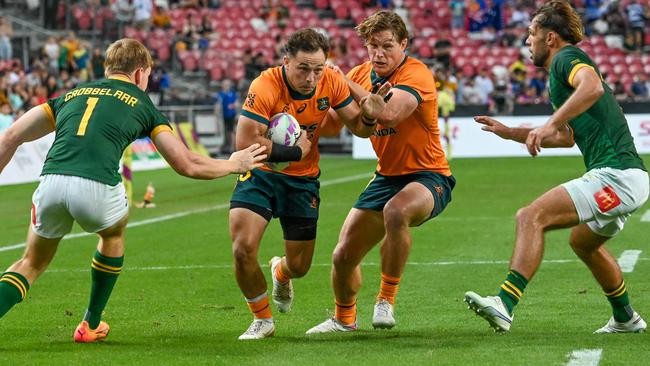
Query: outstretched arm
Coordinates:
[361,119]
[31,126]
[562,137]
[193,165]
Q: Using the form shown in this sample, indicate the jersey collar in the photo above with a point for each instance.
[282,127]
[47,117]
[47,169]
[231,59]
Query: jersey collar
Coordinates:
[121,78]
[294,93]
[374,78]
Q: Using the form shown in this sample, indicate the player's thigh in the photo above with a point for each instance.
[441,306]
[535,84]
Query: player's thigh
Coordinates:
[424,197]
[247,225]
[585,239]
[361,231]
[50,217]
[94,205]
[553,209]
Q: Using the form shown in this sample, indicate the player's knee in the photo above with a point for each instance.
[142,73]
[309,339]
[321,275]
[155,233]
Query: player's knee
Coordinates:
[299,267]
[243,253]
[528,216]
[395,217]
[341,258]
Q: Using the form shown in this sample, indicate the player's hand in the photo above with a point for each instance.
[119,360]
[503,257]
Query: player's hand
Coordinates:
[304,144]
[373,104]
[248,158]
[537,136]
[492,125]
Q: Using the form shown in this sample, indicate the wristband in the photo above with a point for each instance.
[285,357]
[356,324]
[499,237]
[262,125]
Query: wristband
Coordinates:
[281,153]
[367,121]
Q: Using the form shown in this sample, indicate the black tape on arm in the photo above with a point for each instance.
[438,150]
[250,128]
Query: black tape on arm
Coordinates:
[281,153]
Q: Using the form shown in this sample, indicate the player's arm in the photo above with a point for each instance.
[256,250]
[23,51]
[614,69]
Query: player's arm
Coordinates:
[563,136]
[331,125]
[588,89]
[251,132]
[34,124]
[401,105]
[361,119]
[193,165]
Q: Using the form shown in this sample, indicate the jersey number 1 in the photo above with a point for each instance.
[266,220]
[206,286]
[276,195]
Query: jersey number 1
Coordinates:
[91,103]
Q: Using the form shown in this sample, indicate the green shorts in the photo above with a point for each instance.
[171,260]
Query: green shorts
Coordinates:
[277,195]
[382,188]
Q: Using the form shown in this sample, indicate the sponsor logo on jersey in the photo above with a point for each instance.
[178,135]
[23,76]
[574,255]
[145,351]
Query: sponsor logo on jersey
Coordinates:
[384,132]
[302,108]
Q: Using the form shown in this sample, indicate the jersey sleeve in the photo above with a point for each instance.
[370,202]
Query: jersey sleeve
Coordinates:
[567,64]
[260,100]
[156,122]
[341,96]
[417,80]
[52,107]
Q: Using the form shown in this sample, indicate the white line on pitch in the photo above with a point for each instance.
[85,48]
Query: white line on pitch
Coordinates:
[646,216]
[585,357]
[190,212]
[368,264]
[628,260]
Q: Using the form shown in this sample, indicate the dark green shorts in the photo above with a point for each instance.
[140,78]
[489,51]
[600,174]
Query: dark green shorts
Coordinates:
[382,188]
[279,195]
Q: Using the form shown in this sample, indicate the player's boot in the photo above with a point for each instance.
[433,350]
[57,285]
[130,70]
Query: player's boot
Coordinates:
[383,317]
[490,308]
[282,292]
[83,333]
[259,328]
[634,325]
[332,325]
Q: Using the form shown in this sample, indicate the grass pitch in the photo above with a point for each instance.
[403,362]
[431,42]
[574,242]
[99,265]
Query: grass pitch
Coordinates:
[177,301]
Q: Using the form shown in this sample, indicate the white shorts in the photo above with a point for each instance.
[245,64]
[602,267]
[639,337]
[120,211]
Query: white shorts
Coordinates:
[61,199]
[606,197]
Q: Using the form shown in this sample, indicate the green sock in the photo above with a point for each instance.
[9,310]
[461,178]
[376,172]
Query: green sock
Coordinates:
[620,302]
[104,275]
[13,289]
[512,289]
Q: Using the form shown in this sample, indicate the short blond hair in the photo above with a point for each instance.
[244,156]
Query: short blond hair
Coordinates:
[126,55]
[383,21]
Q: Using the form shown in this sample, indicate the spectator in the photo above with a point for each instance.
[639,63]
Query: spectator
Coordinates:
[161,18]
[538,83]
[6,117]
[6,31]
[124,11]
[52,52]
[616,24]
[636,18]
[485,85]
[80,57]
[442,50]
[457,13]
[97,64]
[619,91]
[142,12]
[639,88]
[229,99]
[520,18]
[471,93]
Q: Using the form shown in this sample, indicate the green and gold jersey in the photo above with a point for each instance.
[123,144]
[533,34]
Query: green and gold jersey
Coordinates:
[94,123]
[601,132]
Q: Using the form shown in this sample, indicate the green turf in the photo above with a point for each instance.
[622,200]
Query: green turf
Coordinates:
[177,301]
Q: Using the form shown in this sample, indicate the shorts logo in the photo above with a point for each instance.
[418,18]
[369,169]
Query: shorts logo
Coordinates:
[438,190]
[323,103]
[607,199]
[314,202]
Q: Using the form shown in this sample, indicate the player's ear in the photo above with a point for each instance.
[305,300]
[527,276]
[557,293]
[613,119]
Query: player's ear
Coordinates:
[403,44]
[285,60]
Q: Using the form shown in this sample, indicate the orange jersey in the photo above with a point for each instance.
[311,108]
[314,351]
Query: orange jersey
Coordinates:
[270,94]
[414,144]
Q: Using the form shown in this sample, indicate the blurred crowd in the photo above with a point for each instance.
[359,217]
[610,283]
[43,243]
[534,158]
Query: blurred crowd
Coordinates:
[64,62]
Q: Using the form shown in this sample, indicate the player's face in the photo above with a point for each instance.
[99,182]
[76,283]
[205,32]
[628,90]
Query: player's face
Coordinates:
[536,42]
[304,70]
[385,52]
